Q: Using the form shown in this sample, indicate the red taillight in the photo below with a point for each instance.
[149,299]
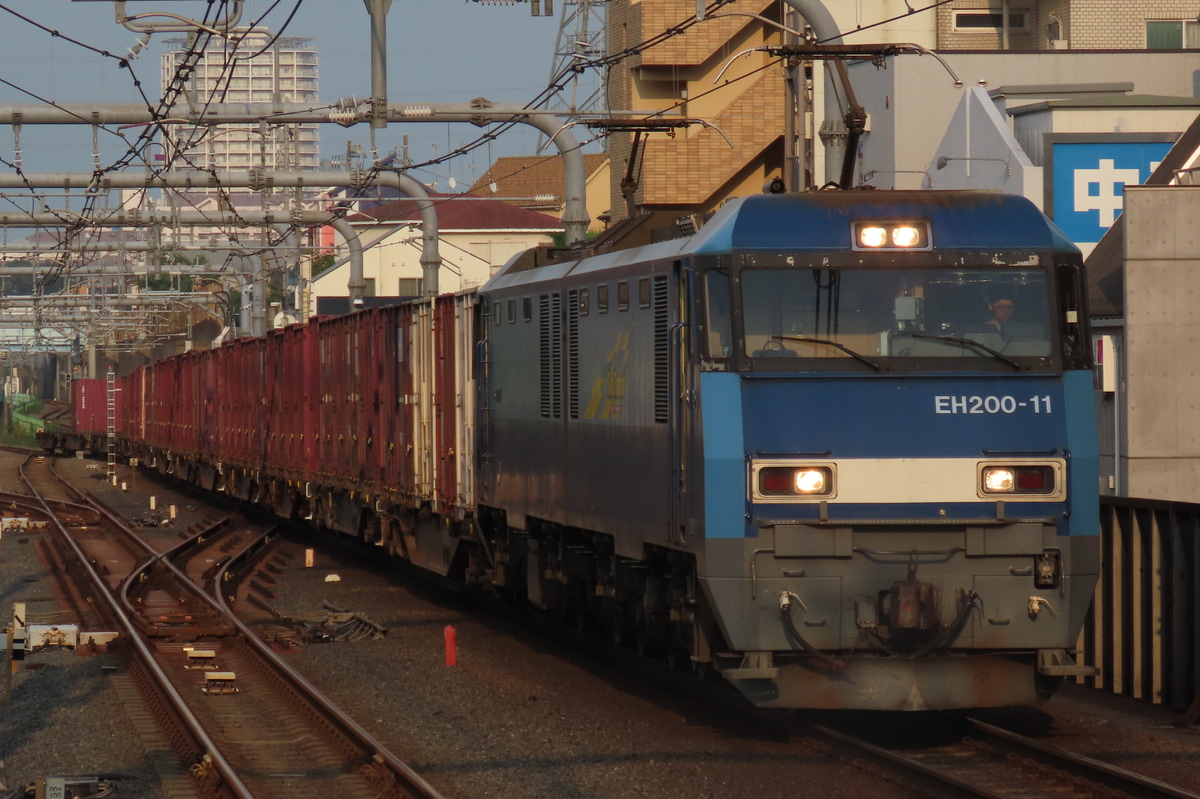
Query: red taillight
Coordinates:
[1033,479]
[776,481]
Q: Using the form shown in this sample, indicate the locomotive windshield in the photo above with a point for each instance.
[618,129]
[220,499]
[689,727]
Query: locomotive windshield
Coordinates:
[1001,314]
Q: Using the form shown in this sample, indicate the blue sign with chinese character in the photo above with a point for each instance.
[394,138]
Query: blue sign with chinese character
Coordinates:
[1089,182]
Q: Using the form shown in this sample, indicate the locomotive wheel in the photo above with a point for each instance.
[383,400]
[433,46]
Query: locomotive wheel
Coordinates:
[564,610]
[679,647]
[615,625]
[582,616]
[643,633]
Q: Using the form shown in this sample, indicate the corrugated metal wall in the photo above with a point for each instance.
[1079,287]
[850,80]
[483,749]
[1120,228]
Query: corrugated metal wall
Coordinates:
[1144,628]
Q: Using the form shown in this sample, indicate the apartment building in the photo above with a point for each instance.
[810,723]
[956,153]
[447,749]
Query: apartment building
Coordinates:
[758,116]
[258,68]
[1068,24]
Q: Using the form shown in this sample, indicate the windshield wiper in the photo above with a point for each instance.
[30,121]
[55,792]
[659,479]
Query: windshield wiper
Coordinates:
[839,345]
[970,342]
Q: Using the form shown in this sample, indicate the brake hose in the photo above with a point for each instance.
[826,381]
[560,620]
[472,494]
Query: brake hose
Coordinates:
[785,610]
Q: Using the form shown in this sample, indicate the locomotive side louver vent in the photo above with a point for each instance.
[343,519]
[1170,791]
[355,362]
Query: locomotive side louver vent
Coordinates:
[573,353]
[550,335]
[662,352]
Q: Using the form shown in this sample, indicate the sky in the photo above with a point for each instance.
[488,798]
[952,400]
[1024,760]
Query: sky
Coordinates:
[447,51]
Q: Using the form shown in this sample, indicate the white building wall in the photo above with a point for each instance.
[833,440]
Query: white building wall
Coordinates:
[1162,313]
[920,97]
[469,259]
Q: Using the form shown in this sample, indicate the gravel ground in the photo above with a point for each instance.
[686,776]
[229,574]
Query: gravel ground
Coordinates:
[515,717]
[518,716]
[63,717]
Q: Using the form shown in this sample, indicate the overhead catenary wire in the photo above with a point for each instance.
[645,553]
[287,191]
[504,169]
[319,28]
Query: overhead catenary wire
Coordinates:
[202,41]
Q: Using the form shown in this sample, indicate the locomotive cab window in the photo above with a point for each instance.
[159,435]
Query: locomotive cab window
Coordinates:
[583,302]
[831,317]
[623,296]
[718,324]
[644,293]
[512,312]
[602,299]
[1073,316]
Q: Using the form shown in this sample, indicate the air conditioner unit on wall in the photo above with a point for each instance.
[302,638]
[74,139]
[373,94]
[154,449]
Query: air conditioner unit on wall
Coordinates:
[1059,44]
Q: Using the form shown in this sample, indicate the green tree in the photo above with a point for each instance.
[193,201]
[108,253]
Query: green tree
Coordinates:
[322,262]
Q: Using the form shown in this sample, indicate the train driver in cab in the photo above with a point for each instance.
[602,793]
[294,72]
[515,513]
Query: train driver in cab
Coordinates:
[1002,313]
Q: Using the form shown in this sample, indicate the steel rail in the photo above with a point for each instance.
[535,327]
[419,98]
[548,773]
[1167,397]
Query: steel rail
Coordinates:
[236,788]
[1113,777]
[1088,776]
[409,781]
[412,783]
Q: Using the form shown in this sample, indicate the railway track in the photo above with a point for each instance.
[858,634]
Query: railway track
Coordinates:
[992,763]
[983,761]
[230,733]
[240,721]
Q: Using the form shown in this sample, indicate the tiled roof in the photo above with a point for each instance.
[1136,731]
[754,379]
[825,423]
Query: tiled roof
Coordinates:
[463,214]
[529,176]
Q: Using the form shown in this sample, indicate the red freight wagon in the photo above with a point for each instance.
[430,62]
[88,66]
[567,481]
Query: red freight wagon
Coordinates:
[161,407]
[390,448]
[443,403]
[238,403]
[204,383]
[373,371]
[333,350]
[404,465]
[341,424]
[131,410]
[89,402]
[189,421]
[362,434]
[311,367]
[288,395]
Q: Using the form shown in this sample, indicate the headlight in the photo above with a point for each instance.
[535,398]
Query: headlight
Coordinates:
[1018,479]
[872,236]
[898,235]
[795,481]
[906,236]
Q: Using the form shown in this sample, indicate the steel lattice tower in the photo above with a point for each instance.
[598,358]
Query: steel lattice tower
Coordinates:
[578,88]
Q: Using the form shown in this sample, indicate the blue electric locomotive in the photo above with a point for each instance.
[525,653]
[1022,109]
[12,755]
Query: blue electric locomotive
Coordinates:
[837,446]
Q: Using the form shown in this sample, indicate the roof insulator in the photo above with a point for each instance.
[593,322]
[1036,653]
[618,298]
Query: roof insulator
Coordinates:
[257,179]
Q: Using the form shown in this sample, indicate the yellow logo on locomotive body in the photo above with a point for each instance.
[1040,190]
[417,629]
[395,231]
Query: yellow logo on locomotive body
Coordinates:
[608,390]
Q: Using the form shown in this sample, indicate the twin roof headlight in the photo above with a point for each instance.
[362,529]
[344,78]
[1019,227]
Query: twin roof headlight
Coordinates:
[902,235]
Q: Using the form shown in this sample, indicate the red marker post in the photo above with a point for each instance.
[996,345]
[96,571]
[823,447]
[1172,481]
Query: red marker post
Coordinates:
[451,645]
